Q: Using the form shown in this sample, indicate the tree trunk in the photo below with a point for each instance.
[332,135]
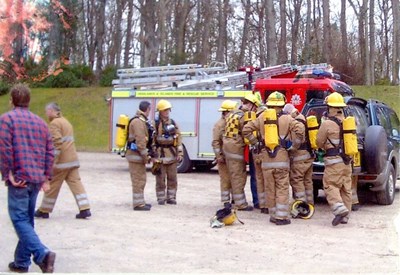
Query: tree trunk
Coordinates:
[396,43]
[307,47]
[223,7]
[100,21]
[295,31]
[343,32]
[282,50]
[90,31]
[182,10]
[260,32]
[128,40]
[372,53]
[327,43]
[244,42]
[272,51]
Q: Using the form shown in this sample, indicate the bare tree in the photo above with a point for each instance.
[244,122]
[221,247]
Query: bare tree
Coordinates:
[282,50]
[372,52]
[223,10]
[100,21]
[327,43]
[295,30]
[247,7]
[396,43]
[128,39]
[272,51]
[307,39]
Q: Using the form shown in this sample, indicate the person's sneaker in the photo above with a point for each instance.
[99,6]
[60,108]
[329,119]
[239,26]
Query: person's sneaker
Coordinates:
[171,201]
[83,214]
[282,222]
[247,208]
[355,207]
[14,268]
[264,211]
[338,218]
[145,207]
[40,214]
[47,266]
[161,202]
[272,220]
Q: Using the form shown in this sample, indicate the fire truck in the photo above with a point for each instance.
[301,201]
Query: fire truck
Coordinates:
[197,91]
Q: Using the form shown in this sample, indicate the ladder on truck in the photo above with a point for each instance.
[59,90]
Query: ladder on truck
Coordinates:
[198,77]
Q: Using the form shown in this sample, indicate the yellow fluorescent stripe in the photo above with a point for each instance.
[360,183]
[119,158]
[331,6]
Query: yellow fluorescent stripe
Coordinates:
[120,93]
[176,93]
[236,93]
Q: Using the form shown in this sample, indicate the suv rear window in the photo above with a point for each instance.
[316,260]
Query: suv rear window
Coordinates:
[360,117]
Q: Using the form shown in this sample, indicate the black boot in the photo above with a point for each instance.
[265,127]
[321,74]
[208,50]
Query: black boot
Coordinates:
[145,207]
[83,214]
[40,214]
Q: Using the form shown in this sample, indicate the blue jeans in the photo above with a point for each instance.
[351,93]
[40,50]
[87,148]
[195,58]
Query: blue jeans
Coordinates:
[253,180]
[21,208]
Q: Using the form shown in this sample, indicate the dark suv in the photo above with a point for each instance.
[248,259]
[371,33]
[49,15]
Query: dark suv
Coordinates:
[378,132]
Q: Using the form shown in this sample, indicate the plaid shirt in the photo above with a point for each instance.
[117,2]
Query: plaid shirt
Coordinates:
[26,147]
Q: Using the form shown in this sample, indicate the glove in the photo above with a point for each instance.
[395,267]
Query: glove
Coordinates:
[156,168]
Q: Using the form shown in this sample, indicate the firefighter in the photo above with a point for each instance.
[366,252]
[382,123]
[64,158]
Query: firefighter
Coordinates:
[337,174]
[66,165]
[275,162]
[301,162]
[233,148]
[218,132]
[139,153]
[168,145]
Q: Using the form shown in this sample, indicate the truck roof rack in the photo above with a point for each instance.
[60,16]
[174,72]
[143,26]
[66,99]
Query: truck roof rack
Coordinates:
[199,77]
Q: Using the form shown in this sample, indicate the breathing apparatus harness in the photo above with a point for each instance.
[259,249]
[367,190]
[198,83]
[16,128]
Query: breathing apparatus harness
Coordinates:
[151,131]
[168,130]
[338,150]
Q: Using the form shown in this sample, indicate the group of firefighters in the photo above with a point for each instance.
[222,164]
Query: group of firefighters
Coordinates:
[277,136]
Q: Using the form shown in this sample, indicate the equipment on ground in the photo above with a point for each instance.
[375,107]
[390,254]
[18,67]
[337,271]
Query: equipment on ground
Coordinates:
[224,216]
[302,210]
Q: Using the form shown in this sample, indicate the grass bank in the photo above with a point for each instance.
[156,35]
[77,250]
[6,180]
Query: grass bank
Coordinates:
[85,108]
[88,111]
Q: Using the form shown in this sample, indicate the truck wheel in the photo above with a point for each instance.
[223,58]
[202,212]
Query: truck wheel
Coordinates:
[375,147]
[386,197]
[186,164]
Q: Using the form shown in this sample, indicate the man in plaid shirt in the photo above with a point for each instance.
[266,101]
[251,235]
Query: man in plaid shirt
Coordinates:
[26,159]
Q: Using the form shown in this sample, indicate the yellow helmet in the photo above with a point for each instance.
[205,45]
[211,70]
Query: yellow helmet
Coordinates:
[335,100]
[230,219]
[276,99]
[163,105]
[252,98]
[227,105]
[302,210]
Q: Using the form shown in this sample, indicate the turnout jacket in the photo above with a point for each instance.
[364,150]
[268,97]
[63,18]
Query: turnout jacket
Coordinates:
[139,135]
[64,143]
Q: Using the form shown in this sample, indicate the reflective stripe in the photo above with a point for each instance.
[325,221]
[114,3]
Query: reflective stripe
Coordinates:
[282,210]
[180,148]
[67,138]
[335,141]
[167,159]
[83,202]
[332,161]
[49,200]
[133,157]
[302,157]
[309,192]
[339,208]
[161,193]
[57,152]
[240,199]
[171,191]
[217,151]
[268,165]
[143,152]
[67,165]
[233,156]
[47,205]
[81,196]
